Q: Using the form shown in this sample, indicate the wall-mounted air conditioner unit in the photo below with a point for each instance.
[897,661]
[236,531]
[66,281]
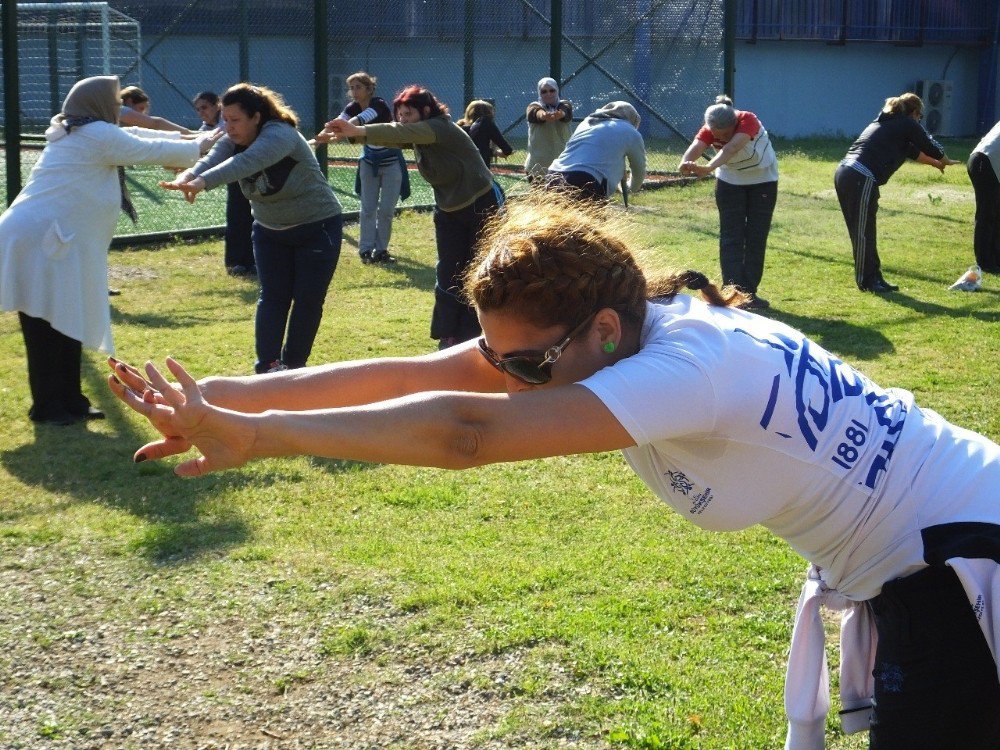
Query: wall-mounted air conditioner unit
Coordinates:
[937,106]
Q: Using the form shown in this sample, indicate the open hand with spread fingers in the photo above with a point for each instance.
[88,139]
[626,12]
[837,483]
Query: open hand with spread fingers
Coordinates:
[184,419]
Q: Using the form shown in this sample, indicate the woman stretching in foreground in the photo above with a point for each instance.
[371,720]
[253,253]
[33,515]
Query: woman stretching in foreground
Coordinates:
[730,418]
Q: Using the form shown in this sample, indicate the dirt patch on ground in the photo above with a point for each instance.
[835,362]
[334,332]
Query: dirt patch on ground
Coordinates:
[76,673]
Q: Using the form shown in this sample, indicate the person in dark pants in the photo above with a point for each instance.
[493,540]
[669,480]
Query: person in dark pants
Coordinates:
[746,190]
[297,228]
[238,242]
[592,164]
[983,167]
[895,136]
[465,195]
[297,264]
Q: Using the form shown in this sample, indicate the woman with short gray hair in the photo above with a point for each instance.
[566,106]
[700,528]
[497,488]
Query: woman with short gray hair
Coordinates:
[746,189]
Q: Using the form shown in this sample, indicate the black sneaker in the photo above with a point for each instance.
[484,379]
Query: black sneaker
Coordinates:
[382,257]
[366,256]
[887,285]
[877,287]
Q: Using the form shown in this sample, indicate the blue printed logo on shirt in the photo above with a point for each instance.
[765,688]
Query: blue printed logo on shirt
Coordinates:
[818,381]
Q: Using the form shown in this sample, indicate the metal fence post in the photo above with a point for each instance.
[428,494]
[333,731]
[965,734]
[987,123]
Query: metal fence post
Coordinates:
[468,48]
[729,48]
[244,41]
[11,101]
[555,41]
[321,99]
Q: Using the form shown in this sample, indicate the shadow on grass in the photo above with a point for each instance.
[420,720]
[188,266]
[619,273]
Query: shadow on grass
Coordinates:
[924,308]
[188,317]
[77,465]
[838,336]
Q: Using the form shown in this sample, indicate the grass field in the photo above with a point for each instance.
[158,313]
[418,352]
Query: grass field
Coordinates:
[317,603]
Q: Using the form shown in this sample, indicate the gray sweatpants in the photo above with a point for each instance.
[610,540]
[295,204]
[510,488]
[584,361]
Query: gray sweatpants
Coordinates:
[379,195]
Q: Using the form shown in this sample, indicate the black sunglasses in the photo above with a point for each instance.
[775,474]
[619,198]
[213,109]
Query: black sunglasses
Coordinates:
[533,368]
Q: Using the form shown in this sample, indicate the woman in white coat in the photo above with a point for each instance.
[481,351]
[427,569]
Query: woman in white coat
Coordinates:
[54,241]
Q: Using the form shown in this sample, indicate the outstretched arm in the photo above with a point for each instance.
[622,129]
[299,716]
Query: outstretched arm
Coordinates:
[458,368]
[690,157]
[940,164]
[447,429]
[129,116]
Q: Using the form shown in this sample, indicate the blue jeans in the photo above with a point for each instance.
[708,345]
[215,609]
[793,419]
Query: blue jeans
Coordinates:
[295,267]
[745,213]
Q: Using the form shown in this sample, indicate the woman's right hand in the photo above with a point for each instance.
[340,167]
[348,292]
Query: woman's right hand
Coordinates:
[184,418]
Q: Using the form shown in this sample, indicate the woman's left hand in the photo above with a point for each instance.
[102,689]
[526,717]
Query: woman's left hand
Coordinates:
[691,167]
[339,130]
[189,185]
[185,419]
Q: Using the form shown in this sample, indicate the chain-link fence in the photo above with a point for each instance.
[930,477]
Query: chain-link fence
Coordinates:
[664,56]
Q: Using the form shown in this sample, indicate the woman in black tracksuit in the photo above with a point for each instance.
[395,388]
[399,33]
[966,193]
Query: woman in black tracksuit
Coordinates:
[881,149]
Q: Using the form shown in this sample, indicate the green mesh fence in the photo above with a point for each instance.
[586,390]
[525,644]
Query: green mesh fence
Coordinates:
[664,56]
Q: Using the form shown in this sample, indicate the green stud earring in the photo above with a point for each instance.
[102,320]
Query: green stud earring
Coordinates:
[609,347]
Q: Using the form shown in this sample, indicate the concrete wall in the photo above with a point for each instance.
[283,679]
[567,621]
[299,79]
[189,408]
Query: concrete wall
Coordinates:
[810,88]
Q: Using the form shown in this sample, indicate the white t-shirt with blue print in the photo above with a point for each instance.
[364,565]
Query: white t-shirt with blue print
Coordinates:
[740,420]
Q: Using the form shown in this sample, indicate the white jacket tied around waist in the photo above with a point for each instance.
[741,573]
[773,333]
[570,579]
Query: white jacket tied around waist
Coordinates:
[54,237]
[807,683]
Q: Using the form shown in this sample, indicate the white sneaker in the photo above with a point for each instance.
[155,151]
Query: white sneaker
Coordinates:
[277,366]
[970,281]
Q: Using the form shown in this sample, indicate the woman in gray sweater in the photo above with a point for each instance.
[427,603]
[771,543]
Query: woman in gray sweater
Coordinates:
[297,228]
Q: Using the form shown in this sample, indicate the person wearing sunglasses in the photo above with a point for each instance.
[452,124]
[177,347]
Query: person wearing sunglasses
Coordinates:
[895,136]
[731,418]
[550,123]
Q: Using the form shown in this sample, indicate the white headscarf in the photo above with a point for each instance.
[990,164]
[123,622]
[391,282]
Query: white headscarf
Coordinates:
[618,111]
[548,83]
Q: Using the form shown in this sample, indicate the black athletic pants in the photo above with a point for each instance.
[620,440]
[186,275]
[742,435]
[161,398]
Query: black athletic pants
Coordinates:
[858,196]
[936,683]
[986,240]
[579,183]
[745,213]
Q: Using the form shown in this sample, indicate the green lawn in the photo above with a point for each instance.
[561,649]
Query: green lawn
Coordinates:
[619,623]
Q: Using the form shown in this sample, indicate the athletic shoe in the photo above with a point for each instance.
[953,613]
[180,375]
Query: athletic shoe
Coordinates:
[383,258]
[878,287]
[887,285]
[277,366]
[366,256]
